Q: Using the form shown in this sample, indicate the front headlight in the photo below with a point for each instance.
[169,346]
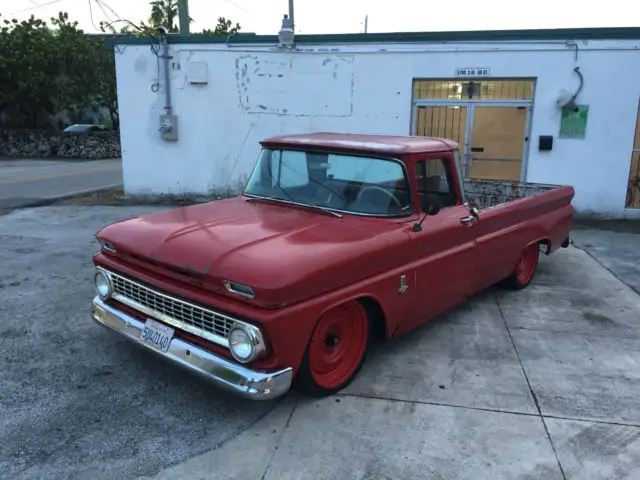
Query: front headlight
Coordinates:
[242,344]
[102,285]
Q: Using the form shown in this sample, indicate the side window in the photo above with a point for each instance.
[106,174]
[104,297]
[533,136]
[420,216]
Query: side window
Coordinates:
[435,183]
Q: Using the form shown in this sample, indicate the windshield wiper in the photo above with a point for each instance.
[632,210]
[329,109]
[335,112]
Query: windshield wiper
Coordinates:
[303,204]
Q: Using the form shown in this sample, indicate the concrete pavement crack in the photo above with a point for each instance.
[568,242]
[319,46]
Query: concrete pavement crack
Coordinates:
[286,426]
[533,393]
[435,404]
[482,409]
[568,332]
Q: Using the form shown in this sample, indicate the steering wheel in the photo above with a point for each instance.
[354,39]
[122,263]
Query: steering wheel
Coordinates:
[391,196]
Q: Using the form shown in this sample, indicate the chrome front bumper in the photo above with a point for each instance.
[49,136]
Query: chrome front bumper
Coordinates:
[220,371]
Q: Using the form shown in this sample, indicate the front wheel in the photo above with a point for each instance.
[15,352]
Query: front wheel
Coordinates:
[525,268]
[336,350]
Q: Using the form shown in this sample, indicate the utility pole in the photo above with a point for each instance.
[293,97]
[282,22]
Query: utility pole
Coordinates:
[183,15]
[293,26]
[366,23]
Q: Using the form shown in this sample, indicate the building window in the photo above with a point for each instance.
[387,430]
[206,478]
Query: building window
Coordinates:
[462,89]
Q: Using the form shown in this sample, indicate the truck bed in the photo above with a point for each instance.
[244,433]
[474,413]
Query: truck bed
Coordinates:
[490,193]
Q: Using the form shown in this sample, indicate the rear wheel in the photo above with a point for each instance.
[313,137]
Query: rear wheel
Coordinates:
[336,350]
[525,268]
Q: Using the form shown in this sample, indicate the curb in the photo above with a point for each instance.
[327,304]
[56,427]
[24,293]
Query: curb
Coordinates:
[44,202]
[56,159]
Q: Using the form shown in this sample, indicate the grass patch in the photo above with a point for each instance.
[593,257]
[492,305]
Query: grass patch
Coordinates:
[116,196]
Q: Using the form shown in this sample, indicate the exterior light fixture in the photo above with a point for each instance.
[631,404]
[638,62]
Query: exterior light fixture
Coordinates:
[285,35]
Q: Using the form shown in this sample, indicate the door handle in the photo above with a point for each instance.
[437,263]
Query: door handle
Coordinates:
[467,220]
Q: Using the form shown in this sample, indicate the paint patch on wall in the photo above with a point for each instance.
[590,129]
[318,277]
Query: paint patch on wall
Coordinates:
[296,85]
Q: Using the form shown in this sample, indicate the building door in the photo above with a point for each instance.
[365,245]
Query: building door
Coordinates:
[633,189]
[488,118]
[498,142]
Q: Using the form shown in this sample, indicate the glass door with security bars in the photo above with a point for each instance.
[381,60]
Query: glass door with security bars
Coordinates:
[633,188]
[489,119]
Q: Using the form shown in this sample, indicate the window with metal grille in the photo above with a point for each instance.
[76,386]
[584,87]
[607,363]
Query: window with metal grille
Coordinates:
[459,89]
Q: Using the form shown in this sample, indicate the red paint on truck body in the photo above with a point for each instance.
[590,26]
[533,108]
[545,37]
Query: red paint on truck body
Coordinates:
[302,262]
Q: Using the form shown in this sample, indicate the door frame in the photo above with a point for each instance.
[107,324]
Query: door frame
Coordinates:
[468,134]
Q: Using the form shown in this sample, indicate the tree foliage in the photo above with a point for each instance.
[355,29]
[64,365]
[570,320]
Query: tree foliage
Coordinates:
[51,68]
[223,27]
[165,13]
[46,70]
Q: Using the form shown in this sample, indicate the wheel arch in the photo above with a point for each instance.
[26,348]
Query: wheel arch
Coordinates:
[372,305]
[376,316]
[546,243]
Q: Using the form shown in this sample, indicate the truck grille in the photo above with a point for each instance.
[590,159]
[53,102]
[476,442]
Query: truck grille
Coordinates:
[186,316]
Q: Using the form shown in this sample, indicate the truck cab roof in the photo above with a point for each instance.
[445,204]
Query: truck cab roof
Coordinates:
[382,144]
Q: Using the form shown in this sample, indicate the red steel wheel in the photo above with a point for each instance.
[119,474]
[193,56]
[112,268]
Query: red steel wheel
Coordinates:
[336,349]
[525,268]
[527,264]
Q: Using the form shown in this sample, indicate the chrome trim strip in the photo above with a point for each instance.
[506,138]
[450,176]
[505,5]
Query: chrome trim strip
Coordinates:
[224,373]
[218,339]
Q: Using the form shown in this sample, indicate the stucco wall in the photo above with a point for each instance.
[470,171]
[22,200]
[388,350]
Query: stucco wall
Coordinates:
[257,91]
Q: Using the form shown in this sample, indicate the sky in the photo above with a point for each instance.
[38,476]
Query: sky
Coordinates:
[333,16]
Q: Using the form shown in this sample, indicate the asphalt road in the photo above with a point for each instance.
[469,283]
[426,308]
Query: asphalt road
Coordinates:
[25,182]
[77,401]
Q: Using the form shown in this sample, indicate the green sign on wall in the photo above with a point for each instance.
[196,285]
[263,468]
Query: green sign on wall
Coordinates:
[574,124]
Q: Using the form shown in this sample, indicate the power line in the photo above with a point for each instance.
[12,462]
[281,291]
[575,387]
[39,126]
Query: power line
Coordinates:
[91,14]
[104,4]
[34,7]
[104,12]
[236,5]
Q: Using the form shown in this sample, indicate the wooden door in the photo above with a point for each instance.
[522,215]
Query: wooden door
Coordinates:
[497,142]
[633,189]
[442,121]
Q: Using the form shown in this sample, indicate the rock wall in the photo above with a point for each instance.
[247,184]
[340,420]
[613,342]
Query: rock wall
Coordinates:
[37,143]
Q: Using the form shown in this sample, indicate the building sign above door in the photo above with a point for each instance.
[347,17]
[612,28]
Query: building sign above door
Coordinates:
[473,72]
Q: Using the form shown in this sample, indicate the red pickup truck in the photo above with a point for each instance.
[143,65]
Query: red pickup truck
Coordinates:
[337,240]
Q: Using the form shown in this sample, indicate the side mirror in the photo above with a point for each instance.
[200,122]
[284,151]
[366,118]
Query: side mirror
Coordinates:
[432,209]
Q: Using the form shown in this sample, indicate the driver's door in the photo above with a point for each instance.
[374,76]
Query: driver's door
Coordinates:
[442,252]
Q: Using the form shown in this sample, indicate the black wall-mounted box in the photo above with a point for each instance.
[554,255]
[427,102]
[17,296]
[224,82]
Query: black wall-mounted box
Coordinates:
[545,143]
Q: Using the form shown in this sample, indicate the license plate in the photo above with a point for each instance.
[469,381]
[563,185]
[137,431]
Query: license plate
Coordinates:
[157,334]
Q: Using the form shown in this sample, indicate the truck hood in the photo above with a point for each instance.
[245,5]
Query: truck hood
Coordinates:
[284,253]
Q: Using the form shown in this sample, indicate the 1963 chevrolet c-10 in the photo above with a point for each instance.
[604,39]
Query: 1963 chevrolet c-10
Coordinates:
[337,240]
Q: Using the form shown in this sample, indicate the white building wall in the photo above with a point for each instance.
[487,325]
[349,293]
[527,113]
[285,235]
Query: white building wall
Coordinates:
[258,91]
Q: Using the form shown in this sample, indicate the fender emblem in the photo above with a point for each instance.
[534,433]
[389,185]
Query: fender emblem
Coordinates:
[403,284]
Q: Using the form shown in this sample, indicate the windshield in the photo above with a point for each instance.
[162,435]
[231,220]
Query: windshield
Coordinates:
[351,184]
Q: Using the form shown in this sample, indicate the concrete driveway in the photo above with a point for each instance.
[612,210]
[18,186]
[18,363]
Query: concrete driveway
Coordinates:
[538,384]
